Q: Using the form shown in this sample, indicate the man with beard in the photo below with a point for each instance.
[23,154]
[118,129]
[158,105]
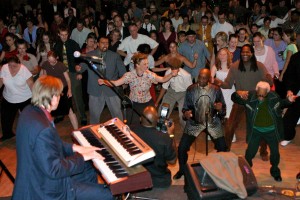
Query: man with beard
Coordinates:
[245,73]
[113,68]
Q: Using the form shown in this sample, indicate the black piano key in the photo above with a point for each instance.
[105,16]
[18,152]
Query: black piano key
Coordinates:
[122,139]
[121,175]
[110,161]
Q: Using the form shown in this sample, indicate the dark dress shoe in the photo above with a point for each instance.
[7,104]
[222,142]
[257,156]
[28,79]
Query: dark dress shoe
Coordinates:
[277,178]
[178,175]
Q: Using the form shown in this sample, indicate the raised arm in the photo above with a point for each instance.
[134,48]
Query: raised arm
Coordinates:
[189,63]
[160,61]
[165,78]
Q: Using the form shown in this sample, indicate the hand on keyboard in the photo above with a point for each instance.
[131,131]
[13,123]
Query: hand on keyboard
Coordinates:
[88,153]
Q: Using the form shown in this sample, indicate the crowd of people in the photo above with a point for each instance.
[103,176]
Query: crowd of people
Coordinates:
[231,58]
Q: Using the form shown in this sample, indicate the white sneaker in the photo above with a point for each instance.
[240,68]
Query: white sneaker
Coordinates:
[234,138]
[285,142]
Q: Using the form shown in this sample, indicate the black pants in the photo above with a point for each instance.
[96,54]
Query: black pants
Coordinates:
[131,116]
[290,120]
[272,141]
[232,123]
[8,114]
[185,144]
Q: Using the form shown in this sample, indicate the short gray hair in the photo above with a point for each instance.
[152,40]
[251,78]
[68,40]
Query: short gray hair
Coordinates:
[44,89]
[263,85]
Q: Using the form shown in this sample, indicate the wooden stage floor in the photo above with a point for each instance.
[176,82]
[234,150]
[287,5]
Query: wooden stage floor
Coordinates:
[289,164]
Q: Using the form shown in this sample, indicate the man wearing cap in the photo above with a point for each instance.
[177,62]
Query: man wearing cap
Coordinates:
[264,121]
[189,49]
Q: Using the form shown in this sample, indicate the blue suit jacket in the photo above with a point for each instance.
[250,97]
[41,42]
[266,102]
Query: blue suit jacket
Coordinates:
[44,162]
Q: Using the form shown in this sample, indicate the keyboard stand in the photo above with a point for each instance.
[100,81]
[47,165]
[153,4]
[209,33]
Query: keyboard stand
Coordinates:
[11,178]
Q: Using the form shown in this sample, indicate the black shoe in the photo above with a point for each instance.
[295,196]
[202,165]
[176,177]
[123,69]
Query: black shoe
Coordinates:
[178,175]
[83,122]
[277,178]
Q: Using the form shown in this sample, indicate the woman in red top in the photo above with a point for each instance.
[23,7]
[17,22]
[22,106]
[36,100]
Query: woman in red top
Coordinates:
[9,47]
[167,36]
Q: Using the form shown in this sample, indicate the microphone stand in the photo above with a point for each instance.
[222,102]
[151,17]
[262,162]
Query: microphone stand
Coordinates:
[124,98]
[206,126]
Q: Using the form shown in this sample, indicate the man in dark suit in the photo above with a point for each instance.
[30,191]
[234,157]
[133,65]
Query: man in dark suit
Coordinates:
[71,20]
[51,7]
[120,26]
[65,49]
[47,167]
[113,68]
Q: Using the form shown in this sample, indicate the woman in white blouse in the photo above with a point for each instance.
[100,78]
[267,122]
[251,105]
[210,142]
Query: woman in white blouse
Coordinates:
[17,81]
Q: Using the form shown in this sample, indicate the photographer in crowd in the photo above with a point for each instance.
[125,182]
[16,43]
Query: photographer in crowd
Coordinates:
[161,143]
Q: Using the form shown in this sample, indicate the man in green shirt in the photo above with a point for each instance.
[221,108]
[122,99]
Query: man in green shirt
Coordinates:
[264,121]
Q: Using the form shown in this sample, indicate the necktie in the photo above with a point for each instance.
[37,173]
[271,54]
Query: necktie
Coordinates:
[102,63]
[204,36]
[65,58]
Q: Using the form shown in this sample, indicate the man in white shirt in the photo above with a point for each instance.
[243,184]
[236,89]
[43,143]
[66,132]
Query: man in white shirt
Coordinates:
[80,33]
[176,20]
[275,21]
[176,88]
[130,44]
[222,25]
[69,6]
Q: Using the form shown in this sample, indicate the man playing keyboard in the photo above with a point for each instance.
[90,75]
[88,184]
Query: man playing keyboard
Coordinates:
[47,167]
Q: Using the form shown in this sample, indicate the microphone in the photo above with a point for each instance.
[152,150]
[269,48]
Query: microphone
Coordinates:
[77,54]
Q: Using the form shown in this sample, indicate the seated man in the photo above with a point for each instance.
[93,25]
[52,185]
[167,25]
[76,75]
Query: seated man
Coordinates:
[162,145]
[203,103]
[264,121]
[47,167]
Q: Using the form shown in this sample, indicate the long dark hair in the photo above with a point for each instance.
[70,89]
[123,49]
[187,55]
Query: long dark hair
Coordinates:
[41,43]
[253,61]
[5,45]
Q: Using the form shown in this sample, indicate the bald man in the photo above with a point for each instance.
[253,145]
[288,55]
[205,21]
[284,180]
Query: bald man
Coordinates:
[162,145]
[203,102]
[264,121]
